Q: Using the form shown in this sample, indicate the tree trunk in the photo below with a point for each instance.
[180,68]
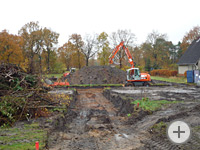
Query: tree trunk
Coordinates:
[79,62]
[120,63]
[8,59]
[87,61]
[67,64]
[48,60]
[67,67]
[31,67]
[40,61]
[120,59]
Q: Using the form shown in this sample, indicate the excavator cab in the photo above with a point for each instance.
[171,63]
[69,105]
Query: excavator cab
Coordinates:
[72,70]
[133,74]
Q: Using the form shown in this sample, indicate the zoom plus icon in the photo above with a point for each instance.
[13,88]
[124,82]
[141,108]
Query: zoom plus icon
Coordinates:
[178,132]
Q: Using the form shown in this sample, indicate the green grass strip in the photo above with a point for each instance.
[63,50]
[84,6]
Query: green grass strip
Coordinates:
[22,138]
[152,105]
[55,75]
[92,85]
[170,79]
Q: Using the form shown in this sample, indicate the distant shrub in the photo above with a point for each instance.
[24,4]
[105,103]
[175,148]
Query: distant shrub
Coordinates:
[145,72]
[164,72]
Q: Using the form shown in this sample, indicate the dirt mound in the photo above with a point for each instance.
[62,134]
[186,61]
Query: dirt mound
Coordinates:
[98,75]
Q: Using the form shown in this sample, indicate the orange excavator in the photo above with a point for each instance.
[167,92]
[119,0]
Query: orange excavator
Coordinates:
[134,77]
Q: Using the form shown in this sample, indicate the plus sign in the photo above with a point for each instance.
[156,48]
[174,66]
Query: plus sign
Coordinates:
[179,132]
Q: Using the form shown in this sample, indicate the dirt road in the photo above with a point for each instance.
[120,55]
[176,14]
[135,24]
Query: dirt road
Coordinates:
[95,123]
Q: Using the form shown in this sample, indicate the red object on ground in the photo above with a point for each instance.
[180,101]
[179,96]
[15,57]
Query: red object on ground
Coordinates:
[59,83]
[63,83]
[55,83]
[37,145]
[138,105]
[65,74]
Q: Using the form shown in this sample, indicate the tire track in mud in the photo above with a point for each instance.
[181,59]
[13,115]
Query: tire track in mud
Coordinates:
[96,122]
[95,126]
[189,110]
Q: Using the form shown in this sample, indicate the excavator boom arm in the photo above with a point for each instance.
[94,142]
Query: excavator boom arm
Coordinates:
[118,47]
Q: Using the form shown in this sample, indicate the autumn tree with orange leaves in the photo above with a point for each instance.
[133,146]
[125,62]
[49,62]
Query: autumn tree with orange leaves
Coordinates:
[11,48]
[189,37]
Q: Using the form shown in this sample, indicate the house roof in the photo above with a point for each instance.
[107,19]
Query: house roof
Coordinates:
[192,54]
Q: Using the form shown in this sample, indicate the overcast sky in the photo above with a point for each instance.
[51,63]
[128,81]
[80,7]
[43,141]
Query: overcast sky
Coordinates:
[173,17]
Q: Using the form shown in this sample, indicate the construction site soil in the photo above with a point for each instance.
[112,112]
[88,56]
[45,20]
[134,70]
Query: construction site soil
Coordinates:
[97,75]
[106,118]
[97,119]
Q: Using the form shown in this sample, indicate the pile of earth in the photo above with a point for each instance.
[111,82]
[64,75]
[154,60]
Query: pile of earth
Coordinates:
[97,75]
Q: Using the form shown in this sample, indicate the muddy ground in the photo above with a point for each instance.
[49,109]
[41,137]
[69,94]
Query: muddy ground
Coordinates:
[97,119]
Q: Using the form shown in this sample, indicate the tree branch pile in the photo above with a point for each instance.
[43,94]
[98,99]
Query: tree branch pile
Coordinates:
[21,95]
[24,105]
[13,77]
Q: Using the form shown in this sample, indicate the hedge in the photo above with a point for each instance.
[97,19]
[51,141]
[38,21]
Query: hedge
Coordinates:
[163,72]
[185,74]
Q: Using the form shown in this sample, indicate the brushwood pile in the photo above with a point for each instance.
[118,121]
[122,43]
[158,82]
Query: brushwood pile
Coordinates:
[12,77]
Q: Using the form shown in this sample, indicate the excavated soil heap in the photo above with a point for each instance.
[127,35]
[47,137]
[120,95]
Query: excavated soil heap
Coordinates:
[98,75]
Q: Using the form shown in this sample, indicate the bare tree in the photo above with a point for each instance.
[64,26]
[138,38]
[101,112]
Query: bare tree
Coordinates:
[89,48]
[152,37]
